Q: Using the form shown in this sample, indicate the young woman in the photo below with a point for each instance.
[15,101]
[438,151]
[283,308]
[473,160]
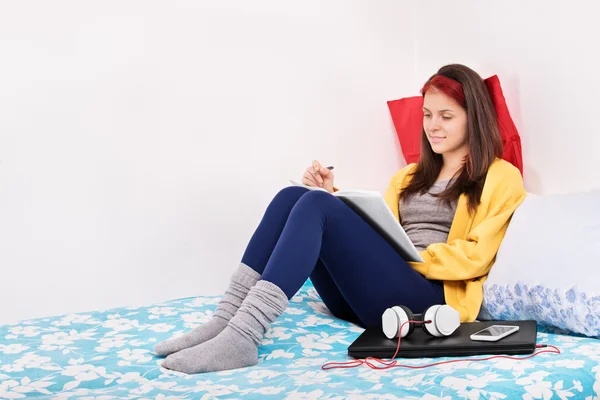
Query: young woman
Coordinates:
[455,205]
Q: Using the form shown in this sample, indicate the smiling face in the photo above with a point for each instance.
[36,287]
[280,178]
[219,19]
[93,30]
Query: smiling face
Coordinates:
[445,123]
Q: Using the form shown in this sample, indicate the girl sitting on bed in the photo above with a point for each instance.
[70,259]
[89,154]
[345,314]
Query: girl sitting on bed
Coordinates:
[455,205]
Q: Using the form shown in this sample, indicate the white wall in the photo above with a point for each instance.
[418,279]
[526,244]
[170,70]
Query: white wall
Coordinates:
[140,141]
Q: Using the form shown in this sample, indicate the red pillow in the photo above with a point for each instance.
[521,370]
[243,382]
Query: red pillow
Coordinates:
[407,115]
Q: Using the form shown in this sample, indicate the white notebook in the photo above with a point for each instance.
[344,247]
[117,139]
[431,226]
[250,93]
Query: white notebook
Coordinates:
[371,206]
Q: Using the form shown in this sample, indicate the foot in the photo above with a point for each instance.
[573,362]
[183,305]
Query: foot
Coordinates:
[197,336]
[229,350]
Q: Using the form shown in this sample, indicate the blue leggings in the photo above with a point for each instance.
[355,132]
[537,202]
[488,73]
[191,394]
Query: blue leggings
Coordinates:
[356,272]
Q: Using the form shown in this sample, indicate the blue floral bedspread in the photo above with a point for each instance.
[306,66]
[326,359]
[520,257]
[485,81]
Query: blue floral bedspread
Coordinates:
[108,355]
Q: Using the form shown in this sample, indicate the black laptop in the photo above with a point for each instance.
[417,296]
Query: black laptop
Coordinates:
[373,343]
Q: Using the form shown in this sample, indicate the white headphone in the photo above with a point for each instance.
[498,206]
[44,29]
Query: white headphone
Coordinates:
[444,321]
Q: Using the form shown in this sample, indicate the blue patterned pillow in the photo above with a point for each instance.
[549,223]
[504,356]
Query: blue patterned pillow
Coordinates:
[547,266]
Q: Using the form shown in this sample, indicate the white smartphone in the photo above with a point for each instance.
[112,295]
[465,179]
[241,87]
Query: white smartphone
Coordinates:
[494,333]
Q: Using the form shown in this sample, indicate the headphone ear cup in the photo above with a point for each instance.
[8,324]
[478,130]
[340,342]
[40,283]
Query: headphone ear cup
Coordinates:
[444,320]
[408,316]
[395,318]
[447,320]
[429,315]
[390,322]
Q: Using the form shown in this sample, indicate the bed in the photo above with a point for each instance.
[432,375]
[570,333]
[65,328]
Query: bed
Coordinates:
[108,355]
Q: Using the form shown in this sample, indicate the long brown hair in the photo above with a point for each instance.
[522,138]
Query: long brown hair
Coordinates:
[466,88]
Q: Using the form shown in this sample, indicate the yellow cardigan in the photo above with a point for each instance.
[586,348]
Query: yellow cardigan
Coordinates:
[464,261]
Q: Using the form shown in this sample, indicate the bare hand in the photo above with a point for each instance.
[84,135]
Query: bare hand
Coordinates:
[318,176]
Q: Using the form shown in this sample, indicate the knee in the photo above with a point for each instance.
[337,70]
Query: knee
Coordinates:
[290,194]
[316,200]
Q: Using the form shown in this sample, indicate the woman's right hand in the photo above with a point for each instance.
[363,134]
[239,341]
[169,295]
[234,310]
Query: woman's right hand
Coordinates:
[318,176]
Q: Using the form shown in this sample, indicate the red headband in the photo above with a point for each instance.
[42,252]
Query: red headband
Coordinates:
[448,86]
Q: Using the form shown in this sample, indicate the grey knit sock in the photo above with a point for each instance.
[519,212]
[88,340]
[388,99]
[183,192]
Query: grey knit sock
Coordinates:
[237,345]
[241,282]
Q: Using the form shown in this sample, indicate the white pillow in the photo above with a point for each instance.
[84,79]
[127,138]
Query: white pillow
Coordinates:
[548,266]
